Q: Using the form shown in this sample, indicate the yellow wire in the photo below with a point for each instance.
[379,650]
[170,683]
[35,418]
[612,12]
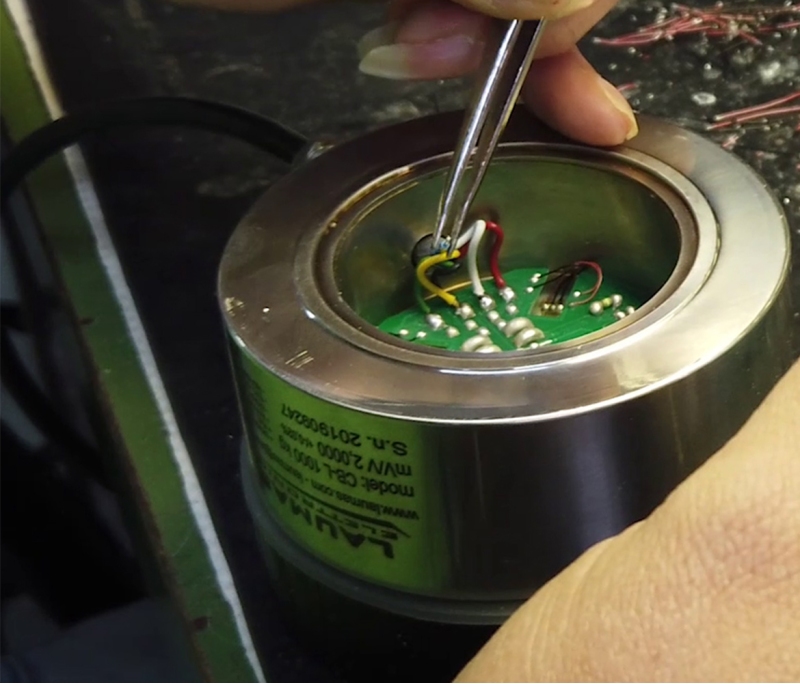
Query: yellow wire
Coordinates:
[426,265]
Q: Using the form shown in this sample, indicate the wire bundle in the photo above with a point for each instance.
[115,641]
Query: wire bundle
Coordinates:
[466,250]
[744,21]
[563,278]
[779,107]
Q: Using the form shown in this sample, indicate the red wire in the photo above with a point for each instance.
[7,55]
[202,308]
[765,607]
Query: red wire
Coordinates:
[596,268]
[494,257]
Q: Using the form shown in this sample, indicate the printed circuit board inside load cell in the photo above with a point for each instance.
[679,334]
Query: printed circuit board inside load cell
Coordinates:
[523,309]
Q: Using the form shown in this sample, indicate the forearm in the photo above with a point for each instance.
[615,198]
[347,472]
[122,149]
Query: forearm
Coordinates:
[706,589]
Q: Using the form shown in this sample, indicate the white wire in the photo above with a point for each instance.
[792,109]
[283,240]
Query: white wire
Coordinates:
[467,235]
[478,231]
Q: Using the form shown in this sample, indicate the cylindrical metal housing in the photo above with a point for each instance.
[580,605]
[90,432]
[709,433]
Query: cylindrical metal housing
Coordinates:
[450,486]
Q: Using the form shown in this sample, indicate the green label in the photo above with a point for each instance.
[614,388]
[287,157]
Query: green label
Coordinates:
[353,488]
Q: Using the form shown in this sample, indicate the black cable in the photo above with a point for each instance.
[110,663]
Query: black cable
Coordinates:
[156,111]
[51,139]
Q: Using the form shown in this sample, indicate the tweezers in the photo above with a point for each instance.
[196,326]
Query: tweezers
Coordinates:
[495,96]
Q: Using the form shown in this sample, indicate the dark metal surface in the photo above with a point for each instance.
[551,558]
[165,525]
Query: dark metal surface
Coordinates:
[173,198]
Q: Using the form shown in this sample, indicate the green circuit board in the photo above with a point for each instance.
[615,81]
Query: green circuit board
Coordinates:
[450,331]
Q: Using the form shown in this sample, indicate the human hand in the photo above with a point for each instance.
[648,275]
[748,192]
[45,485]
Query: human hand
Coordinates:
[437,39]
[706,589]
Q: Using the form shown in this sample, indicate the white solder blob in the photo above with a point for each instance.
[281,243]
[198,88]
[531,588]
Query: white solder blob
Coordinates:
[596,308]
[465,311]
[488,349]
[527,336]
[473,343]
[508,294]
[516,326]
[435,321]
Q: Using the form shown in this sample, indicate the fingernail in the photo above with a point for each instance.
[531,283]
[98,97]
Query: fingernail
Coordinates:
[617,99]
[406,61]
[388,61]
[383,35]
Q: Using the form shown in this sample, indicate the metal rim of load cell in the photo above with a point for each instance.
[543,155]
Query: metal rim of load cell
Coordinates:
[281,305]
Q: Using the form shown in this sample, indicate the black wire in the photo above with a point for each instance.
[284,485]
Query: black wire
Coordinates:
[51,139]
[562,280]
[552,276]
[156,111]
[568,282]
